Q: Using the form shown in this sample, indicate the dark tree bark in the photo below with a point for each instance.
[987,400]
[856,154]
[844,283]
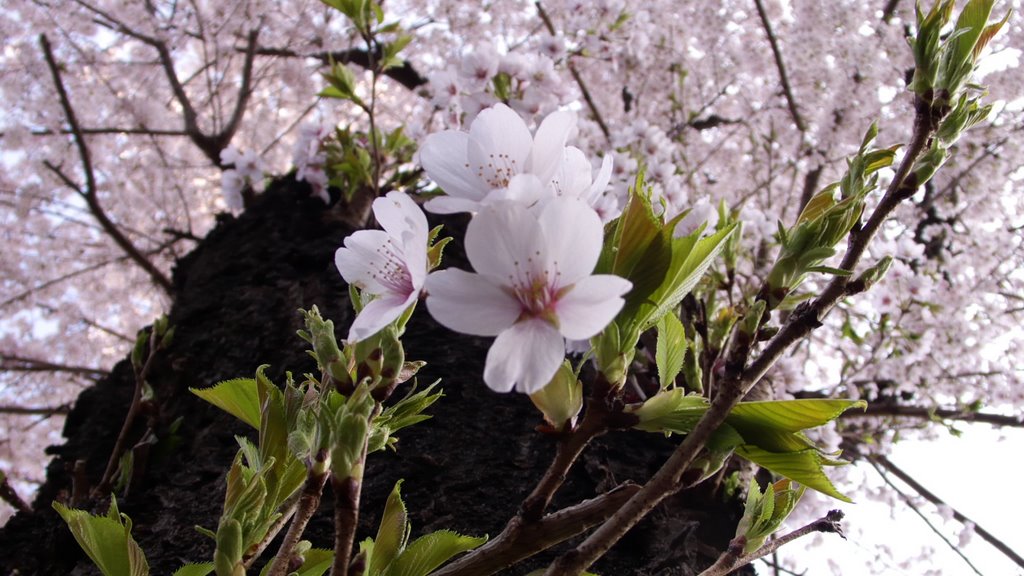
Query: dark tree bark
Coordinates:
[236,298]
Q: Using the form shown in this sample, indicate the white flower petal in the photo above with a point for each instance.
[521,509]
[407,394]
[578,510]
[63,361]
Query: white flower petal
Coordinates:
[443,157]
[360,260]
[573,175]
[505,243]
[600,183]
[469,303]
[499,144]
[397,213]
[524,189]
[590,305]
[377,314]
[526,357]
[574,235]
[549,143]
[451,205]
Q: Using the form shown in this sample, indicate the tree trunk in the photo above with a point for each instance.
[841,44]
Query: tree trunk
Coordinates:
[235,307]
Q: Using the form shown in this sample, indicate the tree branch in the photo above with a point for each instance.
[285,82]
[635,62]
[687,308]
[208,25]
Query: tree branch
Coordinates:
[405,74]
[584,91]
[108,130]
[787,90]
[89,192]
[15,363]
[739,380]
[935,414]
[36,410]
[210,145]
[734,558]
[515,544]
[909,480]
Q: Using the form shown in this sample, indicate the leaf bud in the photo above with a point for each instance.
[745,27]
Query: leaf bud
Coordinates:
[560,400]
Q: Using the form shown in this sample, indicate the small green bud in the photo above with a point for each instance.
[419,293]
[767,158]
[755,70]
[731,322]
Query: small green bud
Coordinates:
[561,400]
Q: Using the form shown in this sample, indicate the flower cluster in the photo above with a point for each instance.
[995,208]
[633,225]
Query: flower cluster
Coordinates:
[246,170]
[310,158]
[533,242]
[530,83]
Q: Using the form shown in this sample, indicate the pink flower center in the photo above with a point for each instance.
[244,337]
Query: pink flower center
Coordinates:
[538,294]
[391,271]
[498,171]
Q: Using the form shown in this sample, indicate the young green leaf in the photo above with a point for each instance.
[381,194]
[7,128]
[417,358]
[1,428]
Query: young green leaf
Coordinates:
[428,552]
[201,569]
[237,397]
[392,534]
[670,349]
[806,467]
[107,540]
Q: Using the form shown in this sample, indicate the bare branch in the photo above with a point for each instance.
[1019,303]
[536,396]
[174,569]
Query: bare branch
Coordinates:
[584,91]
[108,130]
[920,412]
[88,193]
[8,494]
[210,145]
[909,480]
[734,558]
[14,363]
[36,410]
[405,74]
[787,90]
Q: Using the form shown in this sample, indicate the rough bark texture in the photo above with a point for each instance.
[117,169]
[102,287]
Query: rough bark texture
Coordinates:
[236,297]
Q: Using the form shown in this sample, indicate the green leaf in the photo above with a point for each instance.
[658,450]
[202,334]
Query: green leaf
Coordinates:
[792,415]
[689,263]
[107,540]
[427,553]
[392,534]
[317,562]
[765,512]
[201,569]
[671,348]
[806,467]
[670,411]
[237,397]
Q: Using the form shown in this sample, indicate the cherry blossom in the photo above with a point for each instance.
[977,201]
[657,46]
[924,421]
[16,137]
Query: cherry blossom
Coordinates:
[498,147]
[390,264]
[532,288]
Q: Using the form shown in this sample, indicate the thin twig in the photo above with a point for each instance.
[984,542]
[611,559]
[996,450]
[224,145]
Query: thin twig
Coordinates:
[876,410]
[584,91]
[287,510]
[89,192]
[957,515]
[15,363]
[141,373]
[780,64]
[734,558]
[924,518]
[308,503]
[10,495]
[36,410]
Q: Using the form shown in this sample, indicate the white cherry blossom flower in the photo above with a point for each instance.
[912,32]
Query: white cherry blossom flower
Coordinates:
[498,146]
[533,287]
[391,264]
